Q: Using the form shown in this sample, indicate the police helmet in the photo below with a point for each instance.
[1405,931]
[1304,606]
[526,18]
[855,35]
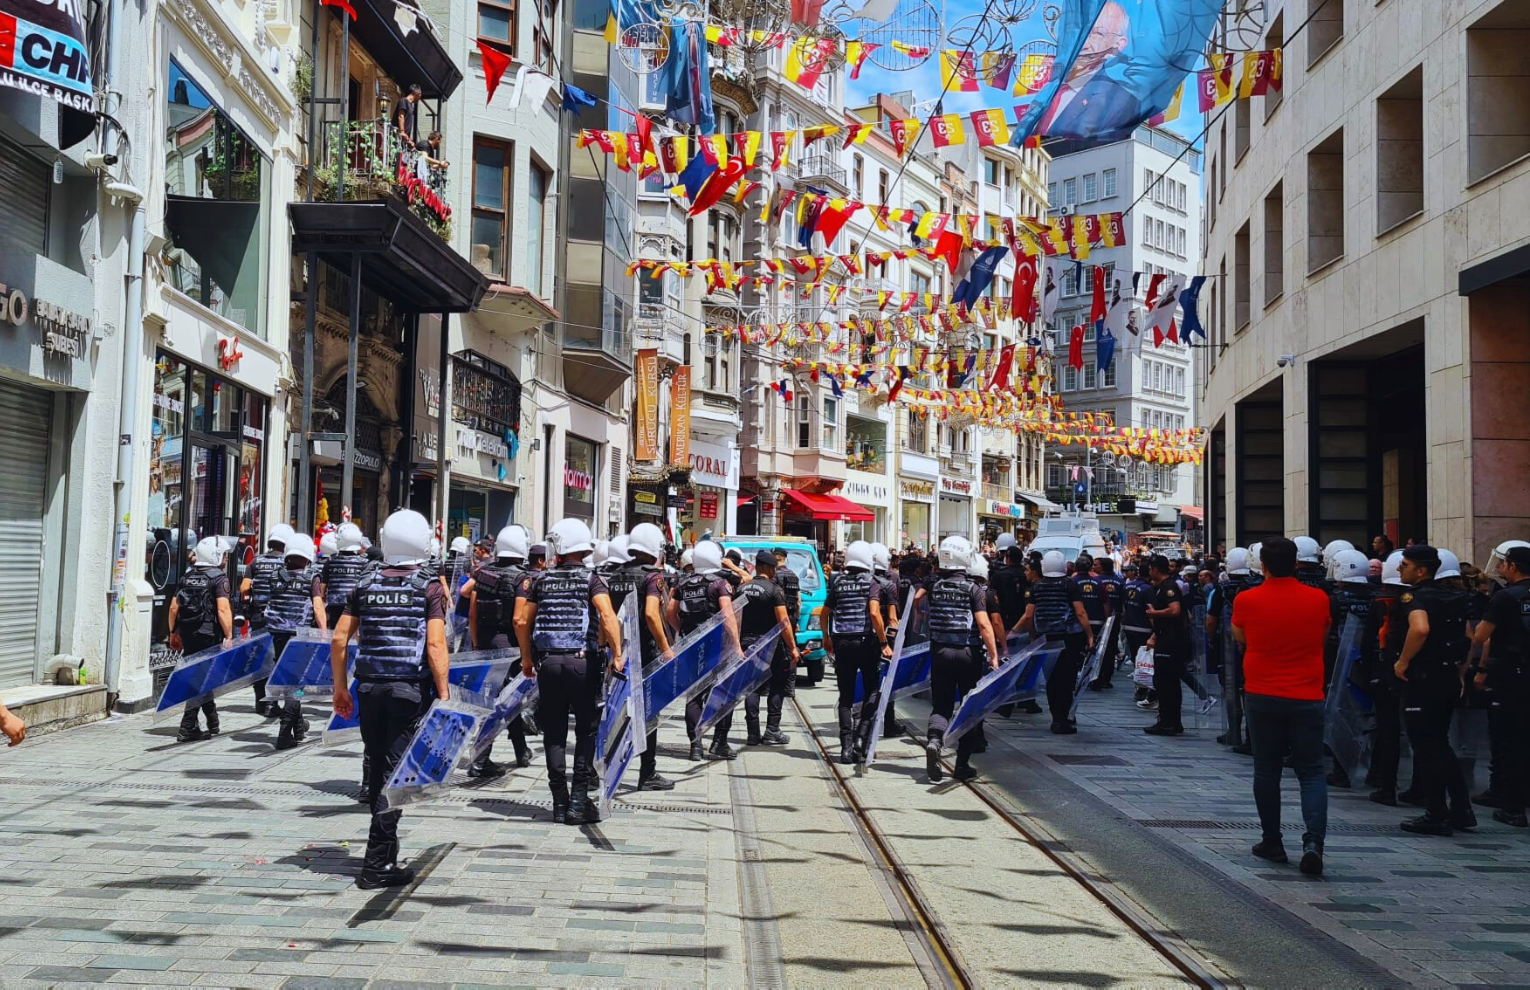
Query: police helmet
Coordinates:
[616,552]
[859,556]
[299,546]
[979,567]
[1054,564]
[881,557]
[512,542]
[1334,546]
[209,551]
[1350,567]
[1004,542]
[708,557]
[1500,554]
[279,535]
[646,538]
[461,544]
[1237,561]
[687,558]
[600,554]
[1450,565]
[348,537]
[1255,566]
[405,538]
[1391,569]
[1307,550]
[329,543]
[569,536]
[955,553]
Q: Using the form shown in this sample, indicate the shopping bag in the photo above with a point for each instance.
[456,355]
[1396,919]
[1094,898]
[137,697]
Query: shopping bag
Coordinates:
[1142,670]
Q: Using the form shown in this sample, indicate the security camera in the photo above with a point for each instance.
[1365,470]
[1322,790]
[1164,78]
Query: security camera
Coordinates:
[99,161]
[1286,360]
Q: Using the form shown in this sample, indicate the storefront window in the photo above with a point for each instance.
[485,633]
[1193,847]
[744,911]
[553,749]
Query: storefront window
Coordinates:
[167,430]
[579,470]
[916,525]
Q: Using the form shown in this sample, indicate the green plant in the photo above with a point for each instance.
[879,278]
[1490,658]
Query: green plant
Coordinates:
[302,77]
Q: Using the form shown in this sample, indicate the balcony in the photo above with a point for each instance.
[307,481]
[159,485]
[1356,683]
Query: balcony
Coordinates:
[367,160]
[957,464]
[999,492]
[597,360]
[823,170]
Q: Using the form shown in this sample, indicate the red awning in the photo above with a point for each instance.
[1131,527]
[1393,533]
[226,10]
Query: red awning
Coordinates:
[827,506]
[1192,512]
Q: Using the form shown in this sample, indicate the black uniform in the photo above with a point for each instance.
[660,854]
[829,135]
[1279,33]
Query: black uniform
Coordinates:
[262,569]
[496,585]
[1232,662]
[760,597]
[957,662]
[791,587]
[290,608]
[392,608]
[1114,589]
[700,597]
[1508,684]
[857,650]
[1171,652]
[1430,693]
[196,620]
[1056,620]
[564,639]
[1008,582]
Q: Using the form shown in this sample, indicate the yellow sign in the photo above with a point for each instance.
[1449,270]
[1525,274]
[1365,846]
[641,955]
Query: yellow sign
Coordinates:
[647,425]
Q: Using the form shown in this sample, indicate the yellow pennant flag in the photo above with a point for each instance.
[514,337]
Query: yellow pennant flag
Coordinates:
[751,147]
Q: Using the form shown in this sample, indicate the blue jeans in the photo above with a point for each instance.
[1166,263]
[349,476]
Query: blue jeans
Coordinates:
[1277,726]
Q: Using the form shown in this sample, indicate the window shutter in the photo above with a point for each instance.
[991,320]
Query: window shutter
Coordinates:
[24,207]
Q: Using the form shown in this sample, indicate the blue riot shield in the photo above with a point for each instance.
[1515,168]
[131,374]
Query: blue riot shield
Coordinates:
[1350,716]
[999,687]
[444,734]
[692,664]
[619,737]
[517,697]
[893,670]
[475,676]
[743,674]
[216,671]
[303,670]
[1091,666]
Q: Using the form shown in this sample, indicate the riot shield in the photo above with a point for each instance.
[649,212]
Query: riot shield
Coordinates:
[303,670]
[1091,666]
[891,669]
[443,735]
[475,676]
[1201,692]
[618,739]
[517,697]
[1350,716]
[690,668]
[998,687]
[743,674]
[1232,686]
[215,671]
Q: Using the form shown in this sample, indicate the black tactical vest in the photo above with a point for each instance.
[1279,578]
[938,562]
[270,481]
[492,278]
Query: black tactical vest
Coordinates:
[1349,599]
[1447,644]
[391,641]
[494,585]
[694,603]
[791,586]
[852,604]
[198,611]
[1054,612]
[1008,582]
[341,574]
[262,569]
[562,623]
[1511,642]
[638,575]
[951,622]
[1230,589]
[291,604]
[621,581]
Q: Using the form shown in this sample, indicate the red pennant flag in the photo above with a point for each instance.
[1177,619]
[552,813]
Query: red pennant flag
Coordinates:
[716,185]
[345,6]
[1000,378]
[1076,348]
[495,62]
[1024,304]
[1097,304]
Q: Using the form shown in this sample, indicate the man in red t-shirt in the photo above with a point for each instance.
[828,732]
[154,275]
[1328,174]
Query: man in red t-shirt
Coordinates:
[1282,625]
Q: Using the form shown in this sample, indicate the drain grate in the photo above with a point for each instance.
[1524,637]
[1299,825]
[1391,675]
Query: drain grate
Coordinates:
[1087,760]
[1203,824]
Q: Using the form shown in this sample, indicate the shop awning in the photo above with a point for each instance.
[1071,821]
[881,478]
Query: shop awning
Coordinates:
[1192,512]
[1041,502]
[828,507]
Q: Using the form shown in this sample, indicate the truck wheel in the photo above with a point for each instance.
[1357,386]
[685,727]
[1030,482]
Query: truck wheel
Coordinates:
[814,672]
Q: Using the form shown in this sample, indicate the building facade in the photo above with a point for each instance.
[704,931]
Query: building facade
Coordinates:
[1157,175]
[1364,370]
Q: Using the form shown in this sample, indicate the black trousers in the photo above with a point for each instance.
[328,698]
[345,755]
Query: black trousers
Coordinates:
[1387,750]
[389,712]
[1110,656]
[515,728]
[1232,693]
[774,692]
[1512,751]
[954,670]
[1428,705]
[191,645]
[859,656]
[1065,675]
[1168,671]
[1498,737]
[290,711]
[569,683]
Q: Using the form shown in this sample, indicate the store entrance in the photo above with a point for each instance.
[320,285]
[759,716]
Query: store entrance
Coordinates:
[212,481]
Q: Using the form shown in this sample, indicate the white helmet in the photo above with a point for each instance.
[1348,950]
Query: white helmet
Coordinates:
[461,544]
[1307,550]
[280,533]
[1500,554]
[979,566]
[881,557]
[1004,542]
[646,538]
[512,542]
[329,543]
[617,551]
[1450,564]
[1054,564]
[600,554]
[708,557]
[860,557]
[348,537]
[1255,565]
[299,546]
[955,553]
[1331,552]
[1349,567]
[569,536]
[209,551]
[405,538]
[1390,573]
[687,558]
[1237,561]
[435,547]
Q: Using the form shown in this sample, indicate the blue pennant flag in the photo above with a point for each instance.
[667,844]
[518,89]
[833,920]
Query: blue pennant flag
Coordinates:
[695,175]
[574,98]
[972,287]
[1105,349]
[1189,301]
[835,386]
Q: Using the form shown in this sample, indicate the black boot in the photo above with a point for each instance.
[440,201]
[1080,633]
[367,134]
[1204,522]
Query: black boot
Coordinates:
[753,738]
[932,758]
[846,749]
[485,768]
[696,748]
[581,809]
[720,750]
[964,770]
[560,802]
[287,737]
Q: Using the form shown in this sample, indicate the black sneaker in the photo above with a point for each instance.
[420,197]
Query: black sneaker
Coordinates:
[191,735]
[722,751]
[932,761]
[753,739]
[1424,825]
[1312,861]
[398,876]
[523,758]
[773,737]
[1386,796]
[964,772]
[1515,818]
[1064,729]
[285,739]
[696,748]
[486,769]
[1274,851]
[656,783]
[212,730]
[1488,799]
[1463,820]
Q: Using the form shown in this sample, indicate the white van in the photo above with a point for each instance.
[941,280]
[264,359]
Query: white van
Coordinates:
[1073,533]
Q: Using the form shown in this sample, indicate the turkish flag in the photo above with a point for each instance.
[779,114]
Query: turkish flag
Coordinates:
[1076,348]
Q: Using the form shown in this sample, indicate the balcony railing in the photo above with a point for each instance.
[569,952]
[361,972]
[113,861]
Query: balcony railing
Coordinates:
[998,492]
[370,160]
[822,168]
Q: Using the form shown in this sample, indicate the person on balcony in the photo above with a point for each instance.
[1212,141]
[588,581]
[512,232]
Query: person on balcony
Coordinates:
[407,117]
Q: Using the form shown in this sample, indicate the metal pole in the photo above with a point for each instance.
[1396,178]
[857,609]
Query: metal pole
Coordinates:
[443,463]
[127,441]
[345,113]
[305,505]
[411,372]
[349,471]
[1088,475]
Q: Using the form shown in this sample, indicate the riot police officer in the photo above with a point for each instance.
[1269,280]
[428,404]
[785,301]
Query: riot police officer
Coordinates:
[959,633]
[855,636]
[255,590]
[1433,653]
[562,613]
[1007,579]
[1232,659]
[1114,591]
[1505,673]
[1309,564]
[645,577]
[1136,592]
[700,594]
[1350,597]
[791,586]
[1386,629]
[765,607]
[398,617]
[890,595]
[492,592]
[201,617]
[1055,609]
[1171,646]
[297,601]
[343,570]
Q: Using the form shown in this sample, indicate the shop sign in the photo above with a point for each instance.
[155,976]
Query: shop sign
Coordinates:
[46,53]
[479,442]
[368,462]
[425,446]
[645,428]
[956,485]
[714,464]
[707,507]
[229,352]
[922,491]
[250,432]
[646,504]
[866,490]
[430,389]
[63,332]
[768,505]
[680,416]
[680,501]
[1008,509]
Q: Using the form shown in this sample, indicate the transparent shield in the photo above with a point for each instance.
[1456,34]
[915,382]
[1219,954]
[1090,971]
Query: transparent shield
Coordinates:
[690,668]
[1200,694]
[215,672]
[1349,729]
[477,675]
[741,676]
[303,670]
[1232,686]
[516,698]
[618,738]
[997,688]
[443,736]
[1091,667]
[891,669]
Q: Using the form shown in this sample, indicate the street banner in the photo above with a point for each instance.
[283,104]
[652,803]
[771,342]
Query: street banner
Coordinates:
[1349,721]
[446,731]
[693,662]
[1091,668]
[303,670]
[645,430]
[475,677]
[44,51]
[891,671]
[743,674]
[215,671]
[999,687]
[517,698]
[680,417]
